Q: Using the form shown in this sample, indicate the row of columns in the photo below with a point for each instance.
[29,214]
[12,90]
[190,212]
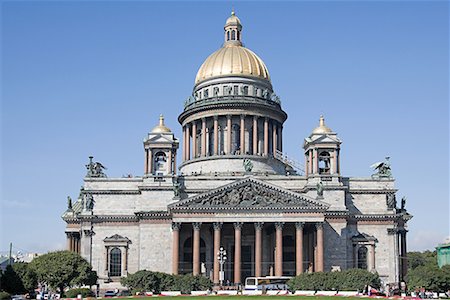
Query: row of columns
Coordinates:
[73,242]
[190,130]
[319,263]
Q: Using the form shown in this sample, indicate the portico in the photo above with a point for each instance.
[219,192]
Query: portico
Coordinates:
[266,231]
[255,248]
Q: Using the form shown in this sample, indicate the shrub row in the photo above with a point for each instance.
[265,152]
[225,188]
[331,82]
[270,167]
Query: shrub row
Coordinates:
[148,281]
[4,295]
[84,292]
[352,279]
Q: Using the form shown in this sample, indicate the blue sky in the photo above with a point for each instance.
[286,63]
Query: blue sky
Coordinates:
[86,78]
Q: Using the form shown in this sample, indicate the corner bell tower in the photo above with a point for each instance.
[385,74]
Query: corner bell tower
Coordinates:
[322,153]
[160,151]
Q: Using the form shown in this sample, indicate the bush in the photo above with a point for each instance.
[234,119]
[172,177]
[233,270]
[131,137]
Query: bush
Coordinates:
[353,279]
[84,292]
[146,281]
[4,295]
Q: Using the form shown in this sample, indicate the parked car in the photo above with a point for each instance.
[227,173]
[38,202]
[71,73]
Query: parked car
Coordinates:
[17,297]
[110,294]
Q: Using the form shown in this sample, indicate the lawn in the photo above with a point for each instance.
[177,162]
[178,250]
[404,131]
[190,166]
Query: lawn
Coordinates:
[240,297]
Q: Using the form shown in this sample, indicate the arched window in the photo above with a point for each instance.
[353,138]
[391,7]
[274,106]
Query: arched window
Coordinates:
[228,35]
[237,34]
[324,162]
[362,257]
[233,35]
[160,162]
[188,254]
[115,262]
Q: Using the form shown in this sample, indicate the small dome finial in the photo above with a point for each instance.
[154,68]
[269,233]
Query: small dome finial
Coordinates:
[232,10]
[161,120]
[321,121]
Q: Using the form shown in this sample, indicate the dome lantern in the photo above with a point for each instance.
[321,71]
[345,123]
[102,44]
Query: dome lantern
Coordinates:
[161,128]
[233,30]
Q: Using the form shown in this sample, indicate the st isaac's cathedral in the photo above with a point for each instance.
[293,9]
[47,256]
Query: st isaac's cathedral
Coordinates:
[234,189]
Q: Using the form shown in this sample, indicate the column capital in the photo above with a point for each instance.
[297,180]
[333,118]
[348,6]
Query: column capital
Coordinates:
[176,226]
[299,225]
[319,225]
[216,117]
[217,225]
[196,225]
[229,117]
[279,225]
[203,119]
[259,225]
[243,116]
[255,117]
[238,225]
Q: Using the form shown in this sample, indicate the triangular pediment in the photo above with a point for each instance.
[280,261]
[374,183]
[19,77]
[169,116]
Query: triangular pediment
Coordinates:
[159,138]
[249,194]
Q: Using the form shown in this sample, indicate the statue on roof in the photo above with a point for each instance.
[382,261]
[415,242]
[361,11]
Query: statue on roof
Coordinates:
[89,200]
[177,189]
[95,169]
[248,165]
[403,205]
[383,169]
[319,188]
[69,203]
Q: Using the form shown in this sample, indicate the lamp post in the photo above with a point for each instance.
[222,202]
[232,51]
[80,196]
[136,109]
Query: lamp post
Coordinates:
[222,257]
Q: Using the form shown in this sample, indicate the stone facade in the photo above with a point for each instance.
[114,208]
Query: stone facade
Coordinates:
[236,189]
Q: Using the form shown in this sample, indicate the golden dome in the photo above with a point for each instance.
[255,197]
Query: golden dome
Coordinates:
[232,59]
[322,128]
[161,128]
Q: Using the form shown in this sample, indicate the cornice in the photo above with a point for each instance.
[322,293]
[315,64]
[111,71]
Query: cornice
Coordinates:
[372,191]
[114,192]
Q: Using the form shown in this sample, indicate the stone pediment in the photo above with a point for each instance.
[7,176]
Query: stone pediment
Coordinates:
[324,138]
[249,194]
[159,138]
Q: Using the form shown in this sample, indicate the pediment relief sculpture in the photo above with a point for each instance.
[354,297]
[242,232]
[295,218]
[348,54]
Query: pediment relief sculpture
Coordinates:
[250,194]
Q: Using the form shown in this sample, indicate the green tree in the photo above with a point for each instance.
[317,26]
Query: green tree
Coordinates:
[26,275]
[11,282]
[430,277]
[416,259]
[63,269]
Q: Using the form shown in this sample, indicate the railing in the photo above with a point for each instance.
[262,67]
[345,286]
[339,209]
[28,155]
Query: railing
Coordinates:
[295,165]
[191,102]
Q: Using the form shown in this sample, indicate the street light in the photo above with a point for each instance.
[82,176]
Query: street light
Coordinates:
[222,257]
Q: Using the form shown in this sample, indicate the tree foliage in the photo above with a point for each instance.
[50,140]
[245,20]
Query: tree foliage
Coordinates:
[144,281]
[11,282]
[352,279]
[63,269]
[26,275]
[417,259]
[430,277]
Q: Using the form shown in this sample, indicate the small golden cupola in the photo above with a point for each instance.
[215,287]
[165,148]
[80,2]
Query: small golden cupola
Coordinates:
[322,128]
[161,128]
[322,151]
[160,148]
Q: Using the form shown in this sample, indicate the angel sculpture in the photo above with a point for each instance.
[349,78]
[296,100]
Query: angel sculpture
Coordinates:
[383,169]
